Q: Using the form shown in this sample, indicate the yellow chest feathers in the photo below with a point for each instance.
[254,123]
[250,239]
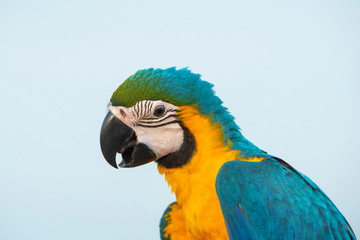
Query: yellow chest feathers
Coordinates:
[197,214]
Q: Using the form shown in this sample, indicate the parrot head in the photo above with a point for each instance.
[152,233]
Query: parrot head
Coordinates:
[144,119]
[143,123]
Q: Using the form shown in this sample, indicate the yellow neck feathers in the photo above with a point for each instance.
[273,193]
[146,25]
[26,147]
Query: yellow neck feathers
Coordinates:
[198,208]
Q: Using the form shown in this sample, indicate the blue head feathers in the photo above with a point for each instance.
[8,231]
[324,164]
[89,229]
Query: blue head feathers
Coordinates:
[182,87]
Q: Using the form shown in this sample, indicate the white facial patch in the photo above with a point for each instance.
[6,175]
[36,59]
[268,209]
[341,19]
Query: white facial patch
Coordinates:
[154,123]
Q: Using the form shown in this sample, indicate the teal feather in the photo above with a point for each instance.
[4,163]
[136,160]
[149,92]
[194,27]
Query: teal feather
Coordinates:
[276,202]
[164,222]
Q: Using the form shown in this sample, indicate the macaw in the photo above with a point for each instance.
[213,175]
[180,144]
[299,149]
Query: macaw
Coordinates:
[225,186]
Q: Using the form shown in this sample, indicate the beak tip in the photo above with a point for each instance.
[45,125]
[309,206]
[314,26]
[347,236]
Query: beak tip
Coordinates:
[111,160]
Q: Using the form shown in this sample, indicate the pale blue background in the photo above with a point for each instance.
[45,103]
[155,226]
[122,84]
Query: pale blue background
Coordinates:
[289,71]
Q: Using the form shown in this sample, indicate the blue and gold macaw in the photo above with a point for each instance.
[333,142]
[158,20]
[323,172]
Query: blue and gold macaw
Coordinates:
[225,186]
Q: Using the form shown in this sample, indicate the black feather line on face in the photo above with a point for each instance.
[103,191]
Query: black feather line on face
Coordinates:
[147,108]
[159,125]
[157,120]
[141,109]
[181,156]
[136,108]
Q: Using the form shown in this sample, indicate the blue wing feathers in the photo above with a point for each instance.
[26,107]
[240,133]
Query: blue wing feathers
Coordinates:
[239,229]
[164,222]
[271,200]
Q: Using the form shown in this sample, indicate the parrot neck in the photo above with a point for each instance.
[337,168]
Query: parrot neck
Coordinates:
[194,182]
[231,134]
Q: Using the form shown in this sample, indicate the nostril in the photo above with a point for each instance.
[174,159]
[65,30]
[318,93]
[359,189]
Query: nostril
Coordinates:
[122,112]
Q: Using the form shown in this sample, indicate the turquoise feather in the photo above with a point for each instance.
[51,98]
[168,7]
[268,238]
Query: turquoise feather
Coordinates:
[271,200]
[164,222]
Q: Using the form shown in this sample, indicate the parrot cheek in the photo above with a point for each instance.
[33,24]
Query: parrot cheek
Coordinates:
[163,140]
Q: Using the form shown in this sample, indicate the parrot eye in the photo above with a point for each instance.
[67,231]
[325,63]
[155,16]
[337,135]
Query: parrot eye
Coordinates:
[159,111]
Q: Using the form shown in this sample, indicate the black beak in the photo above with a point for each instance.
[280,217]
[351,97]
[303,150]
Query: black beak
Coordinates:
[117,137]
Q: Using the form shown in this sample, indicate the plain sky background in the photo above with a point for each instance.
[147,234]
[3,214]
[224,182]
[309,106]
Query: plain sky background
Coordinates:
[289,71]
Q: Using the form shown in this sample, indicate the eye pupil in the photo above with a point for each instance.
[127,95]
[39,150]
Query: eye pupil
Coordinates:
[159,111]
